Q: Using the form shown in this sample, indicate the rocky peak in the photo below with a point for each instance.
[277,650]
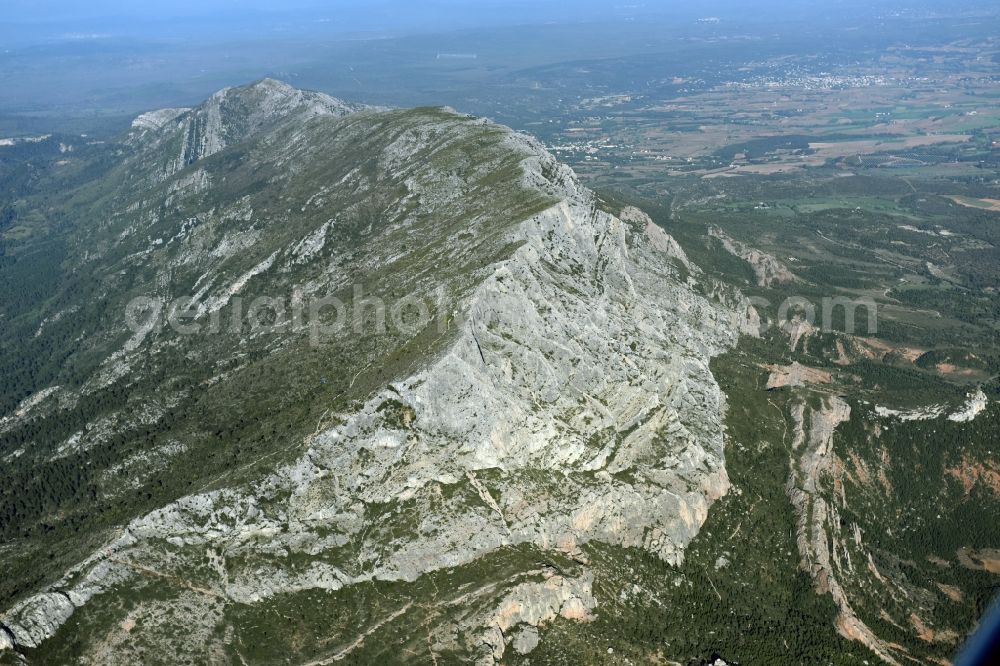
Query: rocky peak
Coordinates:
[230,116]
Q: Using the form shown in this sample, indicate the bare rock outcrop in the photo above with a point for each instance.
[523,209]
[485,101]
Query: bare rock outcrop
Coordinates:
[817,518]
[766,267]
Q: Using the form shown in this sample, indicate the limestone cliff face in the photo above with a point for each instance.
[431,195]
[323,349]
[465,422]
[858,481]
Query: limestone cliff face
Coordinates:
[574,404]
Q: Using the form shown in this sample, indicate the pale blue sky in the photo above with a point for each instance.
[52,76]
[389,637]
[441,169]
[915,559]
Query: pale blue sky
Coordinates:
[487,10]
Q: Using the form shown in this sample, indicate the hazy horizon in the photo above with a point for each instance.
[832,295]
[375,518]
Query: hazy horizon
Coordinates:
[25,22]
[113,59]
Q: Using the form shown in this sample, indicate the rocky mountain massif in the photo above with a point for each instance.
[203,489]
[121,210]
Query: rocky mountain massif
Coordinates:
[289,380]
[262,494]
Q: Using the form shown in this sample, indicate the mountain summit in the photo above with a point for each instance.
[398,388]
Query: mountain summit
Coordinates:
[230,116]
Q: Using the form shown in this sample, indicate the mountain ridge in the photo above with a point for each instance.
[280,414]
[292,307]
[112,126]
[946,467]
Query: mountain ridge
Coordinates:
[580,352]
